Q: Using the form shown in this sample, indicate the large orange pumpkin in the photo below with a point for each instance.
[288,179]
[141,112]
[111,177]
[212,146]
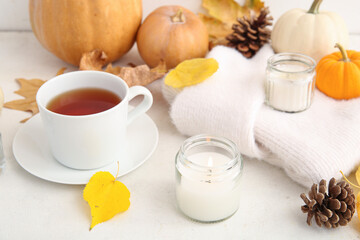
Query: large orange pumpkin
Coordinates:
[69,28]
[338,74]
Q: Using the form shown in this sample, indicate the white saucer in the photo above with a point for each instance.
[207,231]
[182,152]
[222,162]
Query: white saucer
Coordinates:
[32,151]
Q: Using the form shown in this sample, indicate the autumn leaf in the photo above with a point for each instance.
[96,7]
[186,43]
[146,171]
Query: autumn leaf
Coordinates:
[106,197]
[191,72]
[93,60]
[28,90]
[217,30]
[160,68]
[222,14]
[134,75]
[357,176]
[139,75]
[227,11]
[223,10]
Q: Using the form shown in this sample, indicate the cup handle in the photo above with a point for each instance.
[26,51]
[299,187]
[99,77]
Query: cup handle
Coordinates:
[143,106]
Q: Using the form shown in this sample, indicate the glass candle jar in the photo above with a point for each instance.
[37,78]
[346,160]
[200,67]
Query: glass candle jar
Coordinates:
[208,171]
[290,82]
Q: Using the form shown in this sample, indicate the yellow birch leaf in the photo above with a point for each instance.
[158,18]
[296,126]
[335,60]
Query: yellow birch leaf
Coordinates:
[191,72]
[106,197]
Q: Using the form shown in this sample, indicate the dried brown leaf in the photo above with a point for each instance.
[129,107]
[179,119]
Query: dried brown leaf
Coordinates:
[130,64]
[114,70]
[28,89]
[93,60]
[61,71]
[133,75]
[160,68]
[139,75]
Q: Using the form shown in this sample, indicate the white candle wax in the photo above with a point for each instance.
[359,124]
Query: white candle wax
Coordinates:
[208,200]
[289,87]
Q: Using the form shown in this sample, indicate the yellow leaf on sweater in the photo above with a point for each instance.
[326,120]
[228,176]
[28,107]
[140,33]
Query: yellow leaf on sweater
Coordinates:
[106,197]
[191,72]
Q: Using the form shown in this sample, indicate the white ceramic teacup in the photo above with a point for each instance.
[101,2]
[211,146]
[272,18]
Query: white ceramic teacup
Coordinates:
[95,140]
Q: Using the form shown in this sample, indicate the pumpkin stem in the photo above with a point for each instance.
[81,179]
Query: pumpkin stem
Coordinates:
[178,17]
[345,57]
[314,9]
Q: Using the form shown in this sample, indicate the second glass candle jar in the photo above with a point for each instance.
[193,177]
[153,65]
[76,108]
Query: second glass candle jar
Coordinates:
[290,82]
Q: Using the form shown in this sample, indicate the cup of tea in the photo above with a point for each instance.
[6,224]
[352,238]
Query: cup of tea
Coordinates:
[85,115]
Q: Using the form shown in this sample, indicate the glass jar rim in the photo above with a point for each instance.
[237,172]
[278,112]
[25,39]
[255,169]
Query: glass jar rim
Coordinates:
[198,140]
[307,60]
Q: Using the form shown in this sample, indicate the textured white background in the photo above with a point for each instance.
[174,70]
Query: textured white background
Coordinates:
[31,208]
[14,13]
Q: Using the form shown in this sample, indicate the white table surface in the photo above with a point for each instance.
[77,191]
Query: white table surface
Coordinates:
[32,208]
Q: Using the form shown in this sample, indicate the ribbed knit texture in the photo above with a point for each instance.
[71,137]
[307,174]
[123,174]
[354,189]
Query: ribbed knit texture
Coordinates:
[312,145]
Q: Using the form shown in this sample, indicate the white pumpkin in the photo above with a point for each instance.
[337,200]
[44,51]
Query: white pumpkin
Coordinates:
[310,32]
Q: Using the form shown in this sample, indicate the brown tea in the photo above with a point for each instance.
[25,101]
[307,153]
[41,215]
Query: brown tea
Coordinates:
[83,101]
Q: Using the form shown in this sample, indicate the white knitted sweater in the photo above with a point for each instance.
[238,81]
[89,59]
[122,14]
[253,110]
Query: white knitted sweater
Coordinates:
[309,146]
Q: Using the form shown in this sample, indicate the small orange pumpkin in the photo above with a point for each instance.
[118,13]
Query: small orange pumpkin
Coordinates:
[338,74]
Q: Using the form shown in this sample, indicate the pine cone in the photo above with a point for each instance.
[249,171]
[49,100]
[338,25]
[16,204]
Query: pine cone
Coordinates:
[332,209]
[251,34]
